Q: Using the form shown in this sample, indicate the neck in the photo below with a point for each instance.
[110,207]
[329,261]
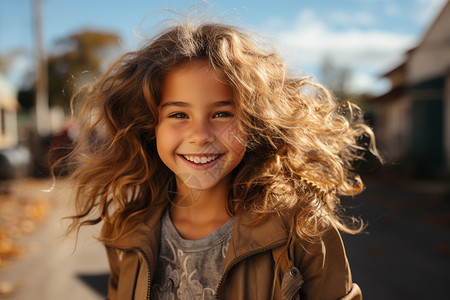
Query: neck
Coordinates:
[201,206]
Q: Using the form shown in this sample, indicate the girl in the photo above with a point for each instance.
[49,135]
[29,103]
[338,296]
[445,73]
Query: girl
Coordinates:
[216,173]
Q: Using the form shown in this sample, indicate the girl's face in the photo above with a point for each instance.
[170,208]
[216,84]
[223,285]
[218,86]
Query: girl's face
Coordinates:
[196,135]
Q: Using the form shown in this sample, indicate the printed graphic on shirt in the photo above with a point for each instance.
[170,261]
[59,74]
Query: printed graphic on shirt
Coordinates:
[189,276]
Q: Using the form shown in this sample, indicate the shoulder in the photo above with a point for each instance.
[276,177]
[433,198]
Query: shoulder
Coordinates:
[327,237]
[281,227]
[325,248]
[322,261]
[323,264]
[134,232]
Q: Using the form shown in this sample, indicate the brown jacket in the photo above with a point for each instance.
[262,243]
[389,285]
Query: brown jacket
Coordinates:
[306,270]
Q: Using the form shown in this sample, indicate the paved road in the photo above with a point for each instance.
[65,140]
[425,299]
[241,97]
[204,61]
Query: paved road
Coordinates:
[50,269]
[405,253]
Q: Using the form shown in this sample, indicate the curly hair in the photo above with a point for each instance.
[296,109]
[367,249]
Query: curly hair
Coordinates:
[301,142]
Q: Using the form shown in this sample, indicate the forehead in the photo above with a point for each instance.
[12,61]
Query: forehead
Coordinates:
[195,80]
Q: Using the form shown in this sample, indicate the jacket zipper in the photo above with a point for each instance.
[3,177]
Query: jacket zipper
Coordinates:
[237,260]
[147,262]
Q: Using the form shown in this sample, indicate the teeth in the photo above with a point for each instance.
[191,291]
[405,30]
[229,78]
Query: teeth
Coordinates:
[200,160]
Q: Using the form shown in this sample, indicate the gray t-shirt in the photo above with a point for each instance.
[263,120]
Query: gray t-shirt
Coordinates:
[189,269]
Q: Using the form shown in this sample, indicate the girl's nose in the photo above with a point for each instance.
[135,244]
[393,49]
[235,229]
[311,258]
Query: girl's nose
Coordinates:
[200,133]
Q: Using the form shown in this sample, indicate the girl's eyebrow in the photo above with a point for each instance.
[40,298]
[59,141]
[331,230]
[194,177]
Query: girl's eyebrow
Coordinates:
[222,103]
[175,103]
[185,104]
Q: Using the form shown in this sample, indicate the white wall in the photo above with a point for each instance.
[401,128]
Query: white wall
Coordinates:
[393,129]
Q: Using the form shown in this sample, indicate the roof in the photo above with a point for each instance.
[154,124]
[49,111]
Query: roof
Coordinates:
[408,52]
[398,68]
[431,27]
[392,95]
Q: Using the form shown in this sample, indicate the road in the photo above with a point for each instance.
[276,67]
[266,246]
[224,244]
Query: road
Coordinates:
[403,254]
[50,269]
[405,250]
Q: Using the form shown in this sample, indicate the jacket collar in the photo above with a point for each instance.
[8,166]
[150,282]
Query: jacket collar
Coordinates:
[248,238]
[144,232]
[245,239]
[145,237]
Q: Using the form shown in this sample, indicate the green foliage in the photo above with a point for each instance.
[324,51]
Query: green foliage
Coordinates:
[7,59]
[26,98]
[336,78]
[79,60]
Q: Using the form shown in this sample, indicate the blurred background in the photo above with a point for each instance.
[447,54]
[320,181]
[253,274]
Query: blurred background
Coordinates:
[391,57]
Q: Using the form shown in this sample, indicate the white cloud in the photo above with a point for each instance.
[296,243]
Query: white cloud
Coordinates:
[363,51]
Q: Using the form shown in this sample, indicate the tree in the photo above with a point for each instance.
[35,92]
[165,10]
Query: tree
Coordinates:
[338,79]
[8,59]
[335,78]
[79,59]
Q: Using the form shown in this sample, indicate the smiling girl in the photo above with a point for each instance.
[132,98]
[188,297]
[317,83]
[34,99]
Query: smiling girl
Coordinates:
[216,173]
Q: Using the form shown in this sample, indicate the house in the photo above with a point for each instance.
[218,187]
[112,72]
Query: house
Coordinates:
[14,158]
[412,120]
[8,114]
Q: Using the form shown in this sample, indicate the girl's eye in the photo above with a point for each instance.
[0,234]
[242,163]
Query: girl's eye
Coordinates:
[223,114]
[178,116]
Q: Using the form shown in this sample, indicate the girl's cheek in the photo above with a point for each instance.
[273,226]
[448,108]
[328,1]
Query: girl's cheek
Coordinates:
[235,140]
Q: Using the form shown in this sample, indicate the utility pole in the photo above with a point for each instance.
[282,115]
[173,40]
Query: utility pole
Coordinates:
[41,98]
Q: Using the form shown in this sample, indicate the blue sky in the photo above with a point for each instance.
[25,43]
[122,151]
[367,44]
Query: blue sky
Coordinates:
[367,36]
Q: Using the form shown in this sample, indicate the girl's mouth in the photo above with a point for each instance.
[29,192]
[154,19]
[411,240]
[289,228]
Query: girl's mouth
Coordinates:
[201,159]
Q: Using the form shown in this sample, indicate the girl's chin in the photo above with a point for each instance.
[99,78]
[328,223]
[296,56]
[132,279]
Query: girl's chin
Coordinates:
[199,186]
[194,183]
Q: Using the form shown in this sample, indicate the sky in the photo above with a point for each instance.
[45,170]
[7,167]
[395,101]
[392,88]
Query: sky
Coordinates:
[369,37]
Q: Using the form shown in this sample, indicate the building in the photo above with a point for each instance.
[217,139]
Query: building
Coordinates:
[14,158]
[8,114]
[412,120]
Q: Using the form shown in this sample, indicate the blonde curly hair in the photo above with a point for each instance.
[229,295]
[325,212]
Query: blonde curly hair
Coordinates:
[301,142]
